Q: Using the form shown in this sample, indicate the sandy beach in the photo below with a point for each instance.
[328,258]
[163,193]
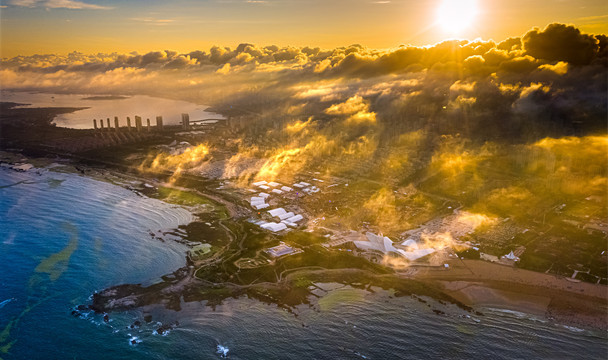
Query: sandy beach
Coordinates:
[484,284]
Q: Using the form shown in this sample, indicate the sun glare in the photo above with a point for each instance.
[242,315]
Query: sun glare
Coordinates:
[455,16]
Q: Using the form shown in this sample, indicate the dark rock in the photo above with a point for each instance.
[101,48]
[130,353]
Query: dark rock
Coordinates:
[165,328]
[106,318]
[135,324]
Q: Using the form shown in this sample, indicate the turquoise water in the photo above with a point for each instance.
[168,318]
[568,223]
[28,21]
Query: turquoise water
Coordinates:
[64,236]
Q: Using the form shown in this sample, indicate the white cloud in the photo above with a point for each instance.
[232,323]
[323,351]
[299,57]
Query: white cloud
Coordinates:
[153,21]
[57,4]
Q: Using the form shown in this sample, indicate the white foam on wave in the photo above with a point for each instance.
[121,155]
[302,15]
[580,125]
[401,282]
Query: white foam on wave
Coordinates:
[10,240]
[222,350]
[518,314]
[573,329]
[3,303]
[134,340]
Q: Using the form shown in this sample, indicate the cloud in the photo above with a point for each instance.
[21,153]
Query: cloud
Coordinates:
[154,21]
[58,4]
[559,42]
[177,161]
[355,108]
[597,17]
[392,115]
[463,87]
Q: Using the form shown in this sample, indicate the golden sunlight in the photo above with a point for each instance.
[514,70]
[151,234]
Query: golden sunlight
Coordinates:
[454,16]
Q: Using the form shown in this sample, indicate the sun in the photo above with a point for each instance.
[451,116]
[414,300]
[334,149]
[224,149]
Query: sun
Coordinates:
[455,16]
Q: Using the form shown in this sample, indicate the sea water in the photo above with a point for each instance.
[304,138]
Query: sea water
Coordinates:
[64,236]
[100,107]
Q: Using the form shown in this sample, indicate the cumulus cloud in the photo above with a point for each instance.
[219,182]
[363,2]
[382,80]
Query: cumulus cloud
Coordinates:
[559,42]
[518,86]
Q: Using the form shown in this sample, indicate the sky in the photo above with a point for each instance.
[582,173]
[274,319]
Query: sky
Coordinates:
[91,26]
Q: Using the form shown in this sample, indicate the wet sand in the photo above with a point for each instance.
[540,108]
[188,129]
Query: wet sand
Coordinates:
[483,284]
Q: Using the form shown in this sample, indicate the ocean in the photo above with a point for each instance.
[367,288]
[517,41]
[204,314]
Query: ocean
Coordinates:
[100,107]
[63,236]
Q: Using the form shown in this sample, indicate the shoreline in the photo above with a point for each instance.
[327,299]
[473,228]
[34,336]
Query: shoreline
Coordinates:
[478,283]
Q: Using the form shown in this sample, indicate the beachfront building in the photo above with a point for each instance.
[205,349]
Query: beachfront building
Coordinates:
[411,250]
[511,256]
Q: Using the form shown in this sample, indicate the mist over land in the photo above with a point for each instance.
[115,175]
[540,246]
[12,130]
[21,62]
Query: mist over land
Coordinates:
[508,130]
[549,81]
[473,149]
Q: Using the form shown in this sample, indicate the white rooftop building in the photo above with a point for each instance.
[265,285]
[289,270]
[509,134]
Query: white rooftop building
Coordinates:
[277,212]
[259,183]
[280,250]
[385,245]
[376,242]
[410,244]
[510,256]
[415,254]
[294,219]
[263,195]
[263,187]
[273,184]
[274,227]
[311,190]
[286,215]
[286,188]
[277,191]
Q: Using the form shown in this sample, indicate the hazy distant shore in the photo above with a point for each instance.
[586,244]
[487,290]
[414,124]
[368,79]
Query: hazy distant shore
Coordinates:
[107,97]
